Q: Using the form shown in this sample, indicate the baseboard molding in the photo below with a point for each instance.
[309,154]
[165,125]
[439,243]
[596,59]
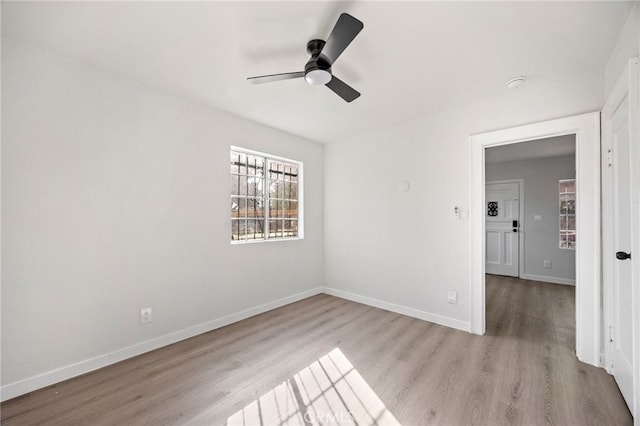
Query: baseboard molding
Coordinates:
[400,309]
[40,381]
[545,279]
[55,376]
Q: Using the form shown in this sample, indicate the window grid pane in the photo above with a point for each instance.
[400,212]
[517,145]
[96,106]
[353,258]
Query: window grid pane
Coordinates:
[567,213]
[264,197]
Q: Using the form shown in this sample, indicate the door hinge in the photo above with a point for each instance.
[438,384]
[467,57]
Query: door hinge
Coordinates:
[609,158]
[611,333]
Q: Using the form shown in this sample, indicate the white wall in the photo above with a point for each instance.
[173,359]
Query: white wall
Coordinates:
[406,248]
[541,239]
[115,197]
[627,47]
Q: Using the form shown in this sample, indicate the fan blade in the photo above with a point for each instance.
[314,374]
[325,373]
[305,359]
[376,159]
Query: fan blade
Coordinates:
[342,89]
[346,29]
[275,77]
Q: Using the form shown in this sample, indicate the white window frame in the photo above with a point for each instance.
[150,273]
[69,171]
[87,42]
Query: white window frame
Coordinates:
[567,215]
[270,157]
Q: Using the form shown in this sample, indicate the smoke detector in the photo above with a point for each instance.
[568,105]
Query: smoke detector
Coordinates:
[516,82]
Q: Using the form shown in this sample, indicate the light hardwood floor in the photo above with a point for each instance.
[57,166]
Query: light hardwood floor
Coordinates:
[325,359]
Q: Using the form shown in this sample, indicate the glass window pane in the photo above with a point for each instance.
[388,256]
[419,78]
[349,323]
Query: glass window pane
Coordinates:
[276,189]
[568,186]
[239,160]
[275,228]
[254,208]
[563,241]
[276,209]
[294,191]
[291,209]
[293,175]
[276,170]
[254,186]
[255,165]
[563,223]
[290,228]
[238,207]
[255,229]
[238,185]
[571,223]
[238,227]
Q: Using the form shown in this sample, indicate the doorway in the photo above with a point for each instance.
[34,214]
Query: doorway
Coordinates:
[533,233]
[586,128]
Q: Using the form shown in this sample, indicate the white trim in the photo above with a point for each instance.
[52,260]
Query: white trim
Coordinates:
[300,182]
[586,127]
[73,370]
[21,387]
[629,84]
[546,279]
[399,309]
[521,230]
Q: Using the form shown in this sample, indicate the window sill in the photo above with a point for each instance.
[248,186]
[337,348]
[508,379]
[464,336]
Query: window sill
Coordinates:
[270,240]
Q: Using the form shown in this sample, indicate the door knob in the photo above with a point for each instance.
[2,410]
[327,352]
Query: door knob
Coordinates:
[622,255]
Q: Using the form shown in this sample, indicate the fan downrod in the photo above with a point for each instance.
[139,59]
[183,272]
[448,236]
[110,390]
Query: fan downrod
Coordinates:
[314,47]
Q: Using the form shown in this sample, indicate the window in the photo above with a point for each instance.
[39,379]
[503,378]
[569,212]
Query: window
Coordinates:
[567,190]
[265,197]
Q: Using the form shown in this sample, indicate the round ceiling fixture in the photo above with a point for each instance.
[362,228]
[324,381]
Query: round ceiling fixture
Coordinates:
[318,77]
[515,82]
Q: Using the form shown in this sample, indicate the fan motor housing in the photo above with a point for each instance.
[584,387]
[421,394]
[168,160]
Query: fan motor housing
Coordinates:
[318,70]
[317,61]
[314,47]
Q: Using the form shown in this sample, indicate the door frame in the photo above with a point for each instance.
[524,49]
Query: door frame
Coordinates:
[520,183]
[630,85]
[586,128]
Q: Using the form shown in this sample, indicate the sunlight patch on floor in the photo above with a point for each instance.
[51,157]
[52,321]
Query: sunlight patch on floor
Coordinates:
[329,391]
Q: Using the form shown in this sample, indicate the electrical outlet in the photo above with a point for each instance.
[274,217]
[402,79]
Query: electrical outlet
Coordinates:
[145,315]
[547,264]
[452,297]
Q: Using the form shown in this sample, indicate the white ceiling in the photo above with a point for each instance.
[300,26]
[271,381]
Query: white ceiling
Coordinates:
[411,59]
[530,150]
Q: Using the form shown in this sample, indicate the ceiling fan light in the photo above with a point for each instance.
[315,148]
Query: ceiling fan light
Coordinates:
[318,77]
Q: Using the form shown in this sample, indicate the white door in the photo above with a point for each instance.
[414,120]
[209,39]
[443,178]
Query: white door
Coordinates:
[502,227]
[619,117]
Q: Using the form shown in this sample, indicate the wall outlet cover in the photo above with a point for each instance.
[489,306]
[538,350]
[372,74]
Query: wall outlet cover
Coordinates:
[146,315]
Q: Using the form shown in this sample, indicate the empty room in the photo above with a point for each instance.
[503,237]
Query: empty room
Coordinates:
[196,232]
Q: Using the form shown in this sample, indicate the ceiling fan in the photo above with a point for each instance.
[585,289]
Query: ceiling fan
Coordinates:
[323,54]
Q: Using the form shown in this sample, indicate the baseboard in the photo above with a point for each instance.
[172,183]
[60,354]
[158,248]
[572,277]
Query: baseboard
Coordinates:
[31,384]
[55,376]
[545,279]
[400,309]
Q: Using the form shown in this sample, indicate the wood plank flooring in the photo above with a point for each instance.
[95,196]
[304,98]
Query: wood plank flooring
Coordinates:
[325,360]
